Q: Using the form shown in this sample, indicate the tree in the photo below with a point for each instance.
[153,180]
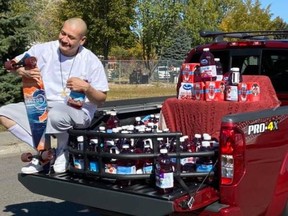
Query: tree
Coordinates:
[15,37]
[248,15]
[154,26]
[108,22]
[205,15]
[180,46]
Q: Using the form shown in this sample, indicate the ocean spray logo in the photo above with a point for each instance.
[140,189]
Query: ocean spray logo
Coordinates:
[38,100]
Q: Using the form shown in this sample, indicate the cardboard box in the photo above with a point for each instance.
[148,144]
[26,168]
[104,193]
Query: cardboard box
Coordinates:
[185,91]
[214,91]
[199,90]
[188,72]
[253,91]
[231,93]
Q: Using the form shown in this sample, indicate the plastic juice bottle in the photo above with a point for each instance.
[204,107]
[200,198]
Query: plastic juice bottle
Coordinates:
[219,69]
[125,166]
[231,89]
[207,66]
[188,163]
[164,173]
[138,121]
[204,164]
[110,164]
[148,162]
[93,160]
[113,121]
[76,99]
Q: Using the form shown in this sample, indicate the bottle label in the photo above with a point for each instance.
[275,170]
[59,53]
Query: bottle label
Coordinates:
[110,168]
[188,160]
[231,93]
[164,180]
[147,169]
[126,170]
[76,99]
[204,167]
[94,166]
[208,71]
[78,163]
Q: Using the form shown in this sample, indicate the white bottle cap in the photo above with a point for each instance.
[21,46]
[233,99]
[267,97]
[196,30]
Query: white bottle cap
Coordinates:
[163,151]
[205,143]
[206,136]
[138,118]
[235,69]
[216,59]
[206,49]
[80,138]
[198,136]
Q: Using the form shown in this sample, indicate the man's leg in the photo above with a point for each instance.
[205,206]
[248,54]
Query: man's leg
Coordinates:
[21,130]
[60,119]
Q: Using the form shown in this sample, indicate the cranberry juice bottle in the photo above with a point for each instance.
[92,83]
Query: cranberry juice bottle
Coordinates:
[219,69]
[207,66]
[147,162]
[125,166]
[164,173]
[112,122]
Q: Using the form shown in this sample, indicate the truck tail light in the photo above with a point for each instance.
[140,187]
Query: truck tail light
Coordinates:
[232,165]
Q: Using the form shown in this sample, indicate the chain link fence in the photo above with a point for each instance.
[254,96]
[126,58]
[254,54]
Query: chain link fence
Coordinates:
[141,72]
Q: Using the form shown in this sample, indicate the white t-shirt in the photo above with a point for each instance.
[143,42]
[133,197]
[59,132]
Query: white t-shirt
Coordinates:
[54,73]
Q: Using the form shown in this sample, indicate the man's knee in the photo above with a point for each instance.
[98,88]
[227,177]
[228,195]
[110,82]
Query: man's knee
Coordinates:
[58,119]
[6,122]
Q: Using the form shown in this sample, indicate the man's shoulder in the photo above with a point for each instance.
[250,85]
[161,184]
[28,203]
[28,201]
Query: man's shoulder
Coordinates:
[87,53]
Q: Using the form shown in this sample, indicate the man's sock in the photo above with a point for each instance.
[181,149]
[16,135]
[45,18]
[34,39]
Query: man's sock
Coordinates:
[21,134]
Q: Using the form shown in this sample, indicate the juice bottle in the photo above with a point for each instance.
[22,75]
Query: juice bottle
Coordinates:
[147,162]
[207,66]
[187,163]
[204,164]
[113,121]
[219,69]
[138,121]
[76,99]
[164,172]
[231,89]
[125,167]
[93,160]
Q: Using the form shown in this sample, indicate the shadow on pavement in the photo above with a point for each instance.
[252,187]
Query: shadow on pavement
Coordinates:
[48,208]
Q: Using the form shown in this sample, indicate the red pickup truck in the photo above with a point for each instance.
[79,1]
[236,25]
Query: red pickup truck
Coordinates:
[249,175]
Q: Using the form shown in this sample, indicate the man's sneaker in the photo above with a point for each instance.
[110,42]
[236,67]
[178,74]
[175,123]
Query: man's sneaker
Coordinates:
[61,162]
[33,167]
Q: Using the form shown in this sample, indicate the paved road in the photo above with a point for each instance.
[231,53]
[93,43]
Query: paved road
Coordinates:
[15,199]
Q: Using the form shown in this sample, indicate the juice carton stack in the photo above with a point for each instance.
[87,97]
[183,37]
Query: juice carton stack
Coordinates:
[205,81]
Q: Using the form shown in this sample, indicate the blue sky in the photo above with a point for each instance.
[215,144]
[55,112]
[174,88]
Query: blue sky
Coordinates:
[278,8]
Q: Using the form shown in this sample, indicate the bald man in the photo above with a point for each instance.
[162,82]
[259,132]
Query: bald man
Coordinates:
[64,65]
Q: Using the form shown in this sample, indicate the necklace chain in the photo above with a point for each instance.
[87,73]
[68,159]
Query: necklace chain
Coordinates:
[64,93]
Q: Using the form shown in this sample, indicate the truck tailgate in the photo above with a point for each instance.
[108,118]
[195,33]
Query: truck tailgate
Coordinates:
[139,199]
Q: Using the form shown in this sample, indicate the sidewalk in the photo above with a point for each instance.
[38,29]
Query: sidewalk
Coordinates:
[9,145]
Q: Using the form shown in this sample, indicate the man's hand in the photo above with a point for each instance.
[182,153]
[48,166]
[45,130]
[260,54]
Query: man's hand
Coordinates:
[29,73]
[77,84]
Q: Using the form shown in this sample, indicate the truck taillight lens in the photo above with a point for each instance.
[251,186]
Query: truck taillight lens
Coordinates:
[231,155]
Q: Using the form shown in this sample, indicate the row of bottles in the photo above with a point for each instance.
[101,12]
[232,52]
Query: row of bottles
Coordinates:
[158,160]
[165,165]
